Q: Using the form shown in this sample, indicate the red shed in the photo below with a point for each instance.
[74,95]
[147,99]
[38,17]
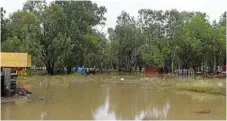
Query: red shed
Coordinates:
[151,70]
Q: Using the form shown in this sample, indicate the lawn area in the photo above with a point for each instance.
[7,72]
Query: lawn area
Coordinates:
[202,86]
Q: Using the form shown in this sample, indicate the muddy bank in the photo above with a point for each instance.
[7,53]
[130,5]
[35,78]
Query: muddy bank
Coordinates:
[20,94]
[16,97]
[12,99]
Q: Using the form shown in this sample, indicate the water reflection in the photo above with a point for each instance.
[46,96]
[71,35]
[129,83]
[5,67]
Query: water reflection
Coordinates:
[42,115]
[154,113]
[131,108]
[102,113]
[6,110]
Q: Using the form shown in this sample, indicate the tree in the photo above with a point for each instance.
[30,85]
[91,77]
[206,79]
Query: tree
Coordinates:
[53,39]
[25,31]
[81,16]
[62,35]
[125,41]
[5,32]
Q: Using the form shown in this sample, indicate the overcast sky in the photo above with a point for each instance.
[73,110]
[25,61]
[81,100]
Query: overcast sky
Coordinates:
[214,8]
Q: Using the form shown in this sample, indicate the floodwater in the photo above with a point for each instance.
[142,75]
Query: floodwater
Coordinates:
[93,98]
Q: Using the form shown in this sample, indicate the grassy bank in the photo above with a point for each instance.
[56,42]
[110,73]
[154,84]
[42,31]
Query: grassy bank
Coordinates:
[201,97]
[199,86]
[135,80]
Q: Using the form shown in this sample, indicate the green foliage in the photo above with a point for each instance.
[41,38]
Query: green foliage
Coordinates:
[126,41]
[61,35]
[4,26]
[95,54]
[11,45]
[24,33]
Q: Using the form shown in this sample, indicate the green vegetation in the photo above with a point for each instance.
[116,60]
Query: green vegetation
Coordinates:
[164,84]
[201,87]
[62,34]
[201,97]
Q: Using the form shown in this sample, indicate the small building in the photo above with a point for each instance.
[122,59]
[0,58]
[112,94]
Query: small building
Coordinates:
[18,62]
[151,70]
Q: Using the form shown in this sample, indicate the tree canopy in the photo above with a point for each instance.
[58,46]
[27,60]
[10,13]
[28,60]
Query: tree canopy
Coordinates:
[62,35]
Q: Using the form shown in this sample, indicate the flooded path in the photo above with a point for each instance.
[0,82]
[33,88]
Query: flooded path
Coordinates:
[92,97]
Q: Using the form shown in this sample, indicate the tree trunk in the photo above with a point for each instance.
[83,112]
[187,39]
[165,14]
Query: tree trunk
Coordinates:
[50,70]
[81,61]
[114,66]
[101,67]
[107,65]
[135,67]
[203,66]
[119,66]
[215,64]
[172,65]
[194,68]
[69,69]
[140,68]
[130,70]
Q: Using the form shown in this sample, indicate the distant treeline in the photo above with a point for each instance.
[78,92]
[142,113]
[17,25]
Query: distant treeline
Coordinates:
[62,35]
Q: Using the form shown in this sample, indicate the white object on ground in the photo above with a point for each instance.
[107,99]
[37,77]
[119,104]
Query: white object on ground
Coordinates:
[220,84]
[122,79]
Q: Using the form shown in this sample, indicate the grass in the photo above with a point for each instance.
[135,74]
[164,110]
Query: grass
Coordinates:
[201,97]
[208,86]
[200,86]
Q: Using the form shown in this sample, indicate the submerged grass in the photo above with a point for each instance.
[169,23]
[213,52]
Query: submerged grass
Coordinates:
[201,86]
[207,86]
[201,97]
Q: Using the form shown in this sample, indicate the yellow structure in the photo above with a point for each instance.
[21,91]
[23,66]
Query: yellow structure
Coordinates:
[9,59]
[17,61]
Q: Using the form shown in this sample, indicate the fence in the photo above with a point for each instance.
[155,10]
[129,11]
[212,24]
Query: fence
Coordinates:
[185,72]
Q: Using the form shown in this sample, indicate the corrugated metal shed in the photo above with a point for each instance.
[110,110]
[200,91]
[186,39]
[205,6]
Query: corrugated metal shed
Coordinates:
[10,59]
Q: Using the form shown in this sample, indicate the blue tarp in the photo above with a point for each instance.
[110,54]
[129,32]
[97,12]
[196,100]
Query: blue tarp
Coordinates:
[81,70]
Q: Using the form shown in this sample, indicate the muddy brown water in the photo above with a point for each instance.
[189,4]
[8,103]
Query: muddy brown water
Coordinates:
[93,97]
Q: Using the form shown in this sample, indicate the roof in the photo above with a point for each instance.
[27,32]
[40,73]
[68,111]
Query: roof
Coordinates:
[12,59]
